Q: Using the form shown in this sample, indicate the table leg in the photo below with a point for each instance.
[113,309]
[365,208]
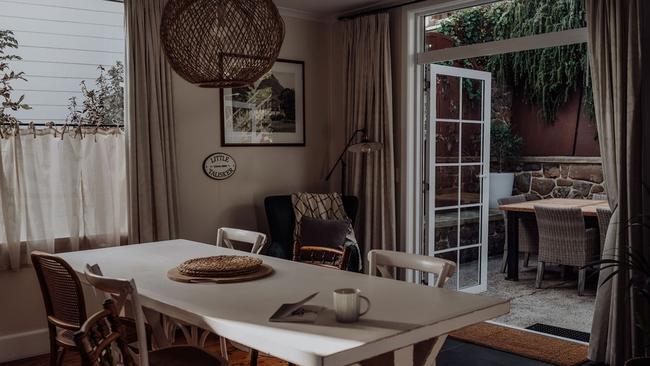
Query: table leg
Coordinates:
[404,356]
[155,321]
[513,246]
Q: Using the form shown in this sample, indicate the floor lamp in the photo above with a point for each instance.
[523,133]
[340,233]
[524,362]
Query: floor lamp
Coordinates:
[365,146]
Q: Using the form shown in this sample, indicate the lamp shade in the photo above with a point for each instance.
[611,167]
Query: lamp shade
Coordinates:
[365,146]
[221,43]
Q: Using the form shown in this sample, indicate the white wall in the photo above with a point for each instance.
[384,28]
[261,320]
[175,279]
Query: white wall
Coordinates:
[206,204]
[62,42]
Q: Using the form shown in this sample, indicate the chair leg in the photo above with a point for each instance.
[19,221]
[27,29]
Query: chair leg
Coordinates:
[224,347]
[540,274]
[253,356]
[526,259]
[504,262]
[59,358]
[582,277]
[54,349]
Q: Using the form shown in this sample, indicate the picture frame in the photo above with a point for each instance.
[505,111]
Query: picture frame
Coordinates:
[270,112]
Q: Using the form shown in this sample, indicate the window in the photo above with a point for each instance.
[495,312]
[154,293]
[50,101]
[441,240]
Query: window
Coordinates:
[62,146]
[63,43]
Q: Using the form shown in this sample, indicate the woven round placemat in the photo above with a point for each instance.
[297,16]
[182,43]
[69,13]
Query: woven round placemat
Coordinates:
[263,271]
[220,266]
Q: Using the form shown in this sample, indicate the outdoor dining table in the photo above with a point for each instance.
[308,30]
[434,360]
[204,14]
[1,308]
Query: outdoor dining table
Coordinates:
[401,314]
[515,211]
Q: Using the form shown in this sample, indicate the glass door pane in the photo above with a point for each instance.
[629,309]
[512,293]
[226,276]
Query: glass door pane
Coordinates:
[459,115]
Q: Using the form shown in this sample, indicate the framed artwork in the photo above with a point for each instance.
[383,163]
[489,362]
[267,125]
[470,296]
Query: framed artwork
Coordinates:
[270,112]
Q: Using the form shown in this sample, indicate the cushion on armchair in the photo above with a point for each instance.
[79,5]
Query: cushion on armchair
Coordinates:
[324,233]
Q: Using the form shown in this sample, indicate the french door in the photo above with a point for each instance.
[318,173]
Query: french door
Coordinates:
[457,164]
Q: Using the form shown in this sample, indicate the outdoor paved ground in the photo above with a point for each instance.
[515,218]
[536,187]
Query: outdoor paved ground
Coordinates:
[556,303]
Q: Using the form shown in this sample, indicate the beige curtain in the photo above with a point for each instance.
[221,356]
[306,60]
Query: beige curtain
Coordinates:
[615,55]
[369,104]
[150,131]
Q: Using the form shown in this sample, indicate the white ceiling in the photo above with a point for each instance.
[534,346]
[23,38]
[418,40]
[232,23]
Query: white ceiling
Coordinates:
[328,8]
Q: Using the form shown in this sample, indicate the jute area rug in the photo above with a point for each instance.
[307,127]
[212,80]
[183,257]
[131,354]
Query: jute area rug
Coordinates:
[526,344]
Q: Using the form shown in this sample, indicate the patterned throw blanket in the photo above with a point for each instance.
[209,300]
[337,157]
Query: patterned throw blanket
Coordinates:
[324,206]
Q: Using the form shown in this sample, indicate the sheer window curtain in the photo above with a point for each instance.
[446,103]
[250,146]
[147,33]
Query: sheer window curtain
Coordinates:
[60,192]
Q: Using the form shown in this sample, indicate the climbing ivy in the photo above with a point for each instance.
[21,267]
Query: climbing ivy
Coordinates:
[545,77]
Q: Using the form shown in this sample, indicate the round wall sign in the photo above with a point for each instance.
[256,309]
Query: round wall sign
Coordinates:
[219,166]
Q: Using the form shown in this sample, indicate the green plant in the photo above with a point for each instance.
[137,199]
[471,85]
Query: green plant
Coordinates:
[7,41]
[504,144]
[103,105]
[635,263]
[545,77]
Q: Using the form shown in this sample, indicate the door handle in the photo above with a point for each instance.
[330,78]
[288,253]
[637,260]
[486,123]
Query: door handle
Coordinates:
[481,176]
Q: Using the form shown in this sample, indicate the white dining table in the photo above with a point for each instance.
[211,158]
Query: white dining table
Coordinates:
[402,314]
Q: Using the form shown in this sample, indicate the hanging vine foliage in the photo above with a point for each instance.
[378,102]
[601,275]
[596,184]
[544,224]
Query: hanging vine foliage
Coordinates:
[546,77]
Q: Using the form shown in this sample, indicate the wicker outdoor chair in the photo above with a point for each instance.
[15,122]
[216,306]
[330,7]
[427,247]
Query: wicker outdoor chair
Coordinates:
[564,240]
[604,216]
[528,236]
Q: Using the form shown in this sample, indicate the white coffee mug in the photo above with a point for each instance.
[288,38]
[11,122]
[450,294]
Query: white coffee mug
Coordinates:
[347,305]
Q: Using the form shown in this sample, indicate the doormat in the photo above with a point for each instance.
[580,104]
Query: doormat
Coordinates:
[560,332]
[523,343]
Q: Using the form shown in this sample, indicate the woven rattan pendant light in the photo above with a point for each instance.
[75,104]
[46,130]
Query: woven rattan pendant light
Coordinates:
[221,43]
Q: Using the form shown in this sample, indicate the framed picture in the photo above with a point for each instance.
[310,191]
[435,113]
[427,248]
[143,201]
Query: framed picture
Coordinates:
[270,112]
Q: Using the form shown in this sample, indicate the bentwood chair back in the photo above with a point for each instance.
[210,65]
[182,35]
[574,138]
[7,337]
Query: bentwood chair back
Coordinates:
[122,291]
[101,339]
[380,260]
[425,352]
[126,289]
[226,236]
[65,306]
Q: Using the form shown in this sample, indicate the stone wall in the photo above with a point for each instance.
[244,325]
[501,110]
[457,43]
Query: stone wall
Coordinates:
[567,178]
[559,179]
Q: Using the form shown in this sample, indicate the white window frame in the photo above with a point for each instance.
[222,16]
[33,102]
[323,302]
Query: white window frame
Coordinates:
[413,57]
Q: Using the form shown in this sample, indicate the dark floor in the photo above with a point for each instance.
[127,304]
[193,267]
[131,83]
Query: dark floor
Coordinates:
[455,353]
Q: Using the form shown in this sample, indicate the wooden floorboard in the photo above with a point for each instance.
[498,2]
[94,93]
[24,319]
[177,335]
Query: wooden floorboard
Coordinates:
[237,358]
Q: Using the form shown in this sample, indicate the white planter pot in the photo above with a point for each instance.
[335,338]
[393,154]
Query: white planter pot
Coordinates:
[501,185]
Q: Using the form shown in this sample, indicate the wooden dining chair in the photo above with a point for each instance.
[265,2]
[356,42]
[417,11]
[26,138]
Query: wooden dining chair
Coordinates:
[335,258]
[65,306]
[379,263]
[95,338]
[229,237]
[565,240]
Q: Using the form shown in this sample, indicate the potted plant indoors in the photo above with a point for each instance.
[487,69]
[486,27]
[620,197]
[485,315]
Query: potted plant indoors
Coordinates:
[504,149]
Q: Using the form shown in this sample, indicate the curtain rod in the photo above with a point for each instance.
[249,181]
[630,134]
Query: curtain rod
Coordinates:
[27,124]
[377,11]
